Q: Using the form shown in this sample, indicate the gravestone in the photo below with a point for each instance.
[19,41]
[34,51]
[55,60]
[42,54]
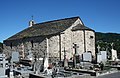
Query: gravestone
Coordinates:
[2,72]
[87,56]
[30,56]
[102,56]
[99,58]
[114,54]
[15,56]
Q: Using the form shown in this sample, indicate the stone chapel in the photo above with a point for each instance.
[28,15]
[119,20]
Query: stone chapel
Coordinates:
[59,34]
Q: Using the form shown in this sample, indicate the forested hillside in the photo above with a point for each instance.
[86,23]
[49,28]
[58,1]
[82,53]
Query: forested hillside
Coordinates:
[106,40]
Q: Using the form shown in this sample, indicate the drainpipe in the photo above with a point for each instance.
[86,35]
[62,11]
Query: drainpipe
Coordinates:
[84,41]
[60,46]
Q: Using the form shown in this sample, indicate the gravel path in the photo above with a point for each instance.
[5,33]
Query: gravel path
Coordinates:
[112,75]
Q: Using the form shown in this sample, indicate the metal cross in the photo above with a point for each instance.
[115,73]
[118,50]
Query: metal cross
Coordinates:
[32,17]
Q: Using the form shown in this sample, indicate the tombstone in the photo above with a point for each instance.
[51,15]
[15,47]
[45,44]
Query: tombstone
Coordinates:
[102,56]
[46,64]
[30,56]
[15,57]
[114,55]
[4,62]
[2,72]
[87,56]
[11,74]
[65,63]
[99,58]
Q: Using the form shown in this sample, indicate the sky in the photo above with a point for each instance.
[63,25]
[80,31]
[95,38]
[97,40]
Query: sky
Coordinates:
[100,15]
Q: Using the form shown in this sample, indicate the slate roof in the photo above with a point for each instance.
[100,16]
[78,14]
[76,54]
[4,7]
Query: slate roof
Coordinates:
[81,27]
[47,28]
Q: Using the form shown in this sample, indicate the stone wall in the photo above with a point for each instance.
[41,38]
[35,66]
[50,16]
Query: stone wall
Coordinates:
[90,41]
[78,38]
[35,45]
[85,43]
[54,48]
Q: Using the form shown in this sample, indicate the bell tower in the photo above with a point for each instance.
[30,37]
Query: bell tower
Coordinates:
[31,22]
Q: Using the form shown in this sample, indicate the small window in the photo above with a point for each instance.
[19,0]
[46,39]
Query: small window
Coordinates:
[91,37]
[32,43]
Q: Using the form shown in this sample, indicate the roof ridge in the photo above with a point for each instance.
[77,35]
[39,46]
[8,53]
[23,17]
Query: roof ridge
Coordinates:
[57,20]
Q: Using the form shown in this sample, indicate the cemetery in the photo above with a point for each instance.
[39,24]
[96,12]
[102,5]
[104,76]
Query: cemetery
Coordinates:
[102,66]
[83,66]
[65,50]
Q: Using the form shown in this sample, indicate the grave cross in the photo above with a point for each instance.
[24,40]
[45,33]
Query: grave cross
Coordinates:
[74,57]
[75,47]
[112,45]
[98,47]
